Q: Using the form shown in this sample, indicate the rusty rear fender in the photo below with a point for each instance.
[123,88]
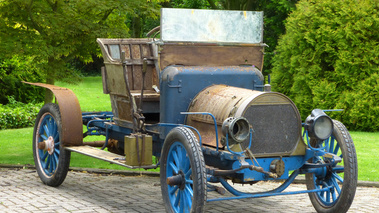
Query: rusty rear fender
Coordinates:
[71,114]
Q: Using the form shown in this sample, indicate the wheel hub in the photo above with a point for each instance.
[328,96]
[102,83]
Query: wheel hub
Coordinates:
[47,145]
[177,180]
[329,172]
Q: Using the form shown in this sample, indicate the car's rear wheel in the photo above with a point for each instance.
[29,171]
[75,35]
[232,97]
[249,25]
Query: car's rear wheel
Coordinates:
[52,161]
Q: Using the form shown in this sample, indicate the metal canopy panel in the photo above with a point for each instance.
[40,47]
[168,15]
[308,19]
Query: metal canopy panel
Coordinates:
[190,25]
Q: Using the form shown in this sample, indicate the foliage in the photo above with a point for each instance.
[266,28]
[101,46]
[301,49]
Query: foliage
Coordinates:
[198,4]
[88,69]
[275,15]
[57,31]
[329,58]
[361,104]
[14,70]
[18,115]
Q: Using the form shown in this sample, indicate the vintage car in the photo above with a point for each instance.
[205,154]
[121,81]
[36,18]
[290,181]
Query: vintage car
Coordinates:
[193,101]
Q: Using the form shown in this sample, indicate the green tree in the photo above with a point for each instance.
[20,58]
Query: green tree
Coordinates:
[329,58]
[14,70]
[57,31]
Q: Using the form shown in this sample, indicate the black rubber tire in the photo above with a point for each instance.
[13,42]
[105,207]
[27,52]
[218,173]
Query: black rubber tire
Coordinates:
[189,141]
[346,196]
[58,175]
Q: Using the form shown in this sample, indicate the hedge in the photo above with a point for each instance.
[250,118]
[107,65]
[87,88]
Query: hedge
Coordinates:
[18,115]
[15,70]
[329,59]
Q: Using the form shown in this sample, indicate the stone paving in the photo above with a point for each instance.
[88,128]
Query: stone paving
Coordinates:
[22,191]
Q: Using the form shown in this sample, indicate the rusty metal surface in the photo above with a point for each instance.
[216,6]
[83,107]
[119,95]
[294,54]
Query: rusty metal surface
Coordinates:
[279,134]
[94,143]
[71,114]
[122,108]
[112,145]
[203,54]
[220,100]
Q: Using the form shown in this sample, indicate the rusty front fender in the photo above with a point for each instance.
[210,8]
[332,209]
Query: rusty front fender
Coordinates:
[71,115]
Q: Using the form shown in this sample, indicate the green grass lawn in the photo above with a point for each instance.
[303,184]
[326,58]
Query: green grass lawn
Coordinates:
[16,144]
[366,145]
[90,94]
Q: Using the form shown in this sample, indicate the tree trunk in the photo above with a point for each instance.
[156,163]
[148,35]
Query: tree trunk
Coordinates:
[136,27]
[212,4]
[233,4]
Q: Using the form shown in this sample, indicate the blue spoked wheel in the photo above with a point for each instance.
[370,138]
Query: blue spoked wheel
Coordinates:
[341,177]
[51,159]
[183,174]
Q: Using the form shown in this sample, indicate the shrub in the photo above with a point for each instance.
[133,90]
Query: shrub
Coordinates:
[12,72]
[329,58]
[17,114]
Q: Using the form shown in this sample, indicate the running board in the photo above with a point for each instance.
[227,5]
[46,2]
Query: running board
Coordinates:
[105,156]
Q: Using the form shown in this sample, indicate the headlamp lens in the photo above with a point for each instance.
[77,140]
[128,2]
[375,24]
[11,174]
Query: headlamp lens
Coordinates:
[319,125]
[323,127]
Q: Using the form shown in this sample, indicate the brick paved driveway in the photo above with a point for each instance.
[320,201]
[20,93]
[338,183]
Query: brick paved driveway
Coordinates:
[22,191]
